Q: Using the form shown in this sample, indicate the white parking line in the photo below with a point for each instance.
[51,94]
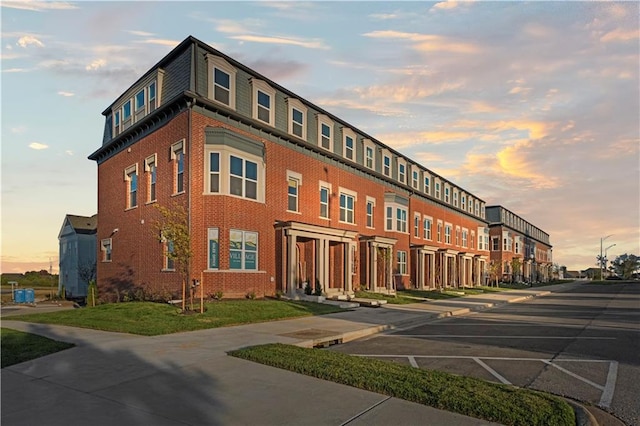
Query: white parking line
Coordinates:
[610,386]
[564,370]
[492,371]
[607,390]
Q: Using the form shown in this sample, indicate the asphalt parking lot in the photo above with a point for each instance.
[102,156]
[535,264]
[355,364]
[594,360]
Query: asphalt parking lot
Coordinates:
[583,344]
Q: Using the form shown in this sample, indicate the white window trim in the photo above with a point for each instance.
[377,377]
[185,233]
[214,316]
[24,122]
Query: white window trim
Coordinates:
[175,148]
[415,183]
[220,63]
[399,163]
[439,231]
[323,119]
[132,169]
[225,174]
[424,228]
[104,250]
[151,160]
[387,154]
[437,188]
[352,194]
[394,218]
[295,103]
[327,185]
[265,88]
[348,132]
[464,241]
[291,175]
[372,201]
[369,144]
[455,198]
[417,219]
[427,187]
[450,226]
[402,260]
[130,96]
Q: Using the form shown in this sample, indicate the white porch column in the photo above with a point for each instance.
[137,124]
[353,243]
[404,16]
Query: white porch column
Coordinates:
[373,276]
[291,265]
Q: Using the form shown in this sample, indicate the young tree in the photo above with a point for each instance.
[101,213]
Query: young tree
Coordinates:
[172,229]
[494,268]
[516,269]
[626,265]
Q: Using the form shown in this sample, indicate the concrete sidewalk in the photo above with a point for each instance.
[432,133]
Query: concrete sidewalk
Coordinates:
[187,378]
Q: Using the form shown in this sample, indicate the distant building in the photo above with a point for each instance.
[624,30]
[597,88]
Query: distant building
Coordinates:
[78,249]
[512,237]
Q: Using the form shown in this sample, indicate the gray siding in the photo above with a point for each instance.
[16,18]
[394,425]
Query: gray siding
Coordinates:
[177,76]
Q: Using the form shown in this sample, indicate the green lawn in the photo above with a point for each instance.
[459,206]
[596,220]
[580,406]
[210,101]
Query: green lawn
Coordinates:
[151,319]
[19,347]
[493,402]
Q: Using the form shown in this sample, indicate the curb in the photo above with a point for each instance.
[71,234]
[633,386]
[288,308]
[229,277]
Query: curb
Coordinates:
[583,415]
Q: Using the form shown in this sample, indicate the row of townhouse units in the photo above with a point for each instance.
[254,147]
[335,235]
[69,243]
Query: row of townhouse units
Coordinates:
[279,193]
[521,249]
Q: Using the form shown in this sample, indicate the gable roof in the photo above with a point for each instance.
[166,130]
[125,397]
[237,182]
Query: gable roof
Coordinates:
[82,224]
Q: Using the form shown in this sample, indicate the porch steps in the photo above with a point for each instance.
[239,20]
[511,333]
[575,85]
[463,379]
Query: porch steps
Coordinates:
[372,303]
[343,304]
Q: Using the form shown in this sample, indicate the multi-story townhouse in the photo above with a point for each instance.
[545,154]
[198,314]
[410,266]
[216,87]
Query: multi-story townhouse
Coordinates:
[522,249]
[279,192]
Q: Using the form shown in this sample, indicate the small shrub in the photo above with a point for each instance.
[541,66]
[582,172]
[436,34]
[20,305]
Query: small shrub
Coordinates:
[251,295]
[218,295]
[318,289]
[307,289]
[279,294]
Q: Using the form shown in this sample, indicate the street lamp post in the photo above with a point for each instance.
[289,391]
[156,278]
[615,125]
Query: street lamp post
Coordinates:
[601,259]
[605,259]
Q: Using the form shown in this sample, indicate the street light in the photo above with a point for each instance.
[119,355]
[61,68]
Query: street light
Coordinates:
[605,256]
[601,259]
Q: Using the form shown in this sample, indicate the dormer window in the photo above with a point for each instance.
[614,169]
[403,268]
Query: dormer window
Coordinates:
[263,101]
[137,104]
[221,80]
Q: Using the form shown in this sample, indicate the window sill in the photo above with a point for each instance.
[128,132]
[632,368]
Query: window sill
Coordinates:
[324,218]
[106,261]
[167,270]
[131,208]
[346,223]
[294,212]
[151,202]
[178,193]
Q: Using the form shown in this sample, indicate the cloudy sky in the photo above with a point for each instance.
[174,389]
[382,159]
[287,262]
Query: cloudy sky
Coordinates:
[531,105]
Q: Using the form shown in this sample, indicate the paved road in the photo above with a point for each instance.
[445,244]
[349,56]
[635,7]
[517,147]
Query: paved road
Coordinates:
[583,344]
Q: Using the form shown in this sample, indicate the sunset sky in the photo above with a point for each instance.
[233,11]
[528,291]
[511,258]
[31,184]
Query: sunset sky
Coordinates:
[531,105]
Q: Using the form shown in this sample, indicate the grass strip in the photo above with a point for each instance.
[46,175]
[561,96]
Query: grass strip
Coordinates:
[152,319]
[17,346]
[464,395]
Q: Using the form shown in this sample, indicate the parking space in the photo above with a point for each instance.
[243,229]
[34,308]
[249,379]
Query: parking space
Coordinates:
[584,346]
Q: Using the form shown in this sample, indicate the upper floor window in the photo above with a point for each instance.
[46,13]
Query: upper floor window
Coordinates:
[243,177]
[325,192]
[325,137]
[368,154]
[131,178]
[416,225]
[439,234]
[371,203]
[463,203]
[446,194]
[447,233]
[465,237]
[105,247]
[214,172]
[347,205]
[437,190]
[477,208]
[415,179]
[427,186]
[495,243]
[151,169]
[294,180]
[348,143]
[263,101]
[221,81]
[427,223]
[472,240]
[136,105]
[457,235]
[386,165]
[297,118]
[402,172]
[396,217]
[455,198]
[177,154]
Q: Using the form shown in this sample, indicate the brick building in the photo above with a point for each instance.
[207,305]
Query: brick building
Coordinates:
[279,192]
[522,250]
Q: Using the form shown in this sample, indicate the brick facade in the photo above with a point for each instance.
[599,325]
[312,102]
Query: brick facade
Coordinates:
[293,247]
